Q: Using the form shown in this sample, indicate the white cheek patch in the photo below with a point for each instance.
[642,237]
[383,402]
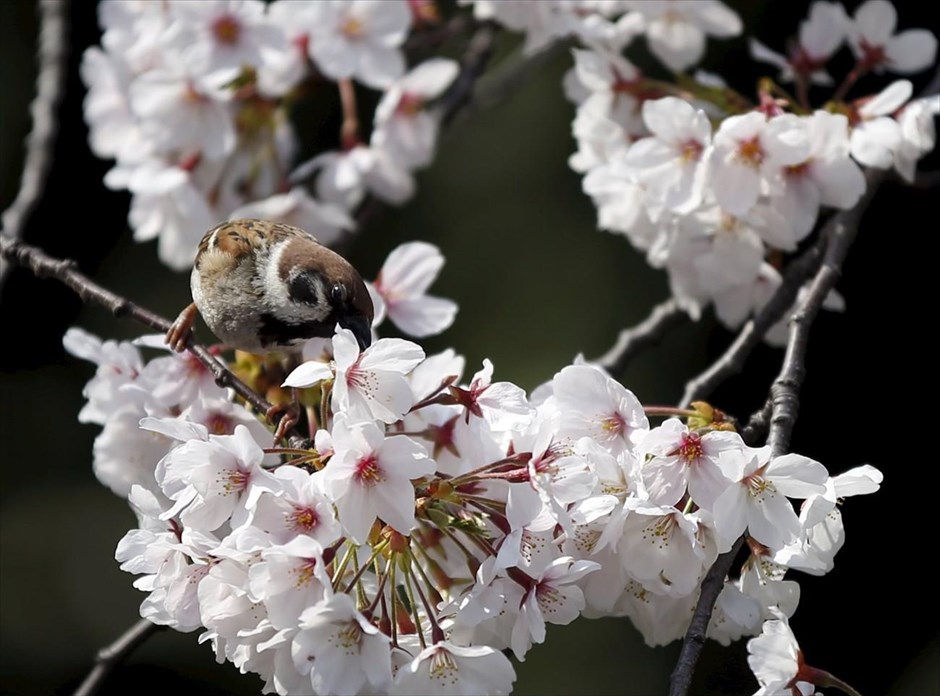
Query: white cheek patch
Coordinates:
[277,294]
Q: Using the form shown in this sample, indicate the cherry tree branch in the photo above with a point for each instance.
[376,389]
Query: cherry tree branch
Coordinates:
[110,656]
[648,332]
[797,273]
[50,78]
[785,391]
[65,271]
[712,585]
[780,411]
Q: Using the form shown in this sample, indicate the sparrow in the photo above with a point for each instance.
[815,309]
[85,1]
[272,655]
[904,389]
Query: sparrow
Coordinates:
[265,286]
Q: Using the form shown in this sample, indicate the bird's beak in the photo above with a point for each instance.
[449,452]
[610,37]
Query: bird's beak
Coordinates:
[360,328]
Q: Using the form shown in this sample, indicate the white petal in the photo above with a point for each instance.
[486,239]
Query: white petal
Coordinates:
[423,316]
[308,374]
[911,51]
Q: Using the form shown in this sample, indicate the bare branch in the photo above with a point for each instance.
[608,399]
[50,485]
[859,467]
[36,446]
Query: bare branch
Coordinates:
[785,391]
[50,79]
[65,271]
[780,411]
[474,62]
[110,656]
[798,272]
[694,639]
[650,331]
[513,74]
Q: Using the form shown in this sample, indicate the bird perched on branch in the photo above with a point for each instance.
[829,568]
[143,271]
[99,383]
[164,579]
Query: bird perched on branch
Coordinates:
[264,286]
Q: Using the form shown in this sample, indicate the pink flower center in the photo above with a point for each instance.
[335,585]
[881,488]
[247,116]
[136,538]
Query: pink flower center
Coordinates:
[409,104]
[750,152]
[660,531]
[368,472]
[363,380]
[220,424]
[691,449]
[798,170]
[227,30]
[757,485]
[305,572]
[614,425]
[691,151]
[352,28]
[236,481]
[872,55]
[303,519]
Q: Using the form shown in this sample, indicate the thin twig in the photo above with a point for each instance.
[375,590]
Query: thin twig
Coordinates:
[798,272]
[50,79]
[110,656]
[513,74]
[65,271]
[475,59]
[712,585]
[650,331]
[785,391]
[757,426]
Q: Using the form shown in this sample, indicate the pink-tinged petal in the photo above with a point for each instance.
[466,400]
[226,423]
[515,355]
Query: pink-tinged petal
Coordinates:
[647,153]
[825,29]
[334,58]
[404,458]
[762,53]
[175,428]
[394,502]
[911,51]
[411,268]
[772,521]
[379,67]
[430,78]
[874,142]
[796,476]
[716,18]
[666,479]
[797,201]
[593,70]
[392,355]
[390,20]
[357,511]
[345,349]
[730,512]
[875,20]
[308,374]
[841,182]
[707,483]
[786,141]
[390,400]
[677,44]
[423,316]
[861,480]
[773,655]
[888,100]
[736,186]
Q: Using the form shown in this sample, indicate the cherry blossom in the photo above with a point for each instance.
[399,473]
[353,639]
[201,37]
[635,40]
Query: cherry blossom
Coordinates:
[370,476]
[359,39]
[676,29]
[820,36]
[872,37]
[402,284]
[368,384]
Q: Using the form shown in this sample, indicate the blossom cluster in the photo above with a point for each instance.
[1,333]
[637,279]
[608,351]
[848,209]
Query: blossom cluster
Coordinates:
[435,522]
[194,102]
[711,187]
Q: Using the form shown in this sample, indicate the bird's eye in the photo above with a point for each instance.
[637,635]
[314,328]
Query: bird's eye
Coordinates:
[338,294]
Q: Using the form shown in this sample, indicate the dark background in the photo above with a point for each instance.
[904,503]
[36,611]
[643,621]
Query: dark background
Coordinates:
[536,284]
